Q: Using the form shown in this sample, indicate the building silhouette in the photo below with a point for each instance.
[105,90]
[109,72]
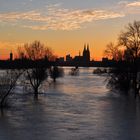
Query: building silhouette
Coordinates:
[79,60]
[83,60]
[68,58]
[86,54]
[11,56]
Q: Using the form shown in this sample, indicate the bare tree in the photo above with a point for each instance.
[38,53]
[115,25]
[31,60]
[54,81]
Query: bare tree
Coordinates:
[37,51]
[130,39]
[39,54]
[8,82]
[36,77]
[49,54]
[113,52]
[127,72]
[20,53]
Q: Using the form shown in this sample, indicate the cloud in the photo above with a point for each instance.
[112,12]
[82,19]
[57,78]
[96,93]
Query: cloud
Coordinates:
[133,4]
[9,45]
[122,4]
[129,8]
[15,16]
[64,19]
[56,18]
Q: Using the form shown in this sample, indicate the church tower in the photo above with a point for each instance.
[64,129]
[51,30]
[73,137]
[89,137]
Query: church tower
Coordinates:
[86,54]
[11,56]
[84,51]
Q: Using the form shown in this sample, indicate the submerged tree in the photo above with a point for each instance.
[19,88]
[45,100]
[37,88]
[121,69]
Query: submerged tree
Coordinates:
[119,79]
[56,72]
[39,55]
[36,77]
[130,39]
[8,82]
[126,71]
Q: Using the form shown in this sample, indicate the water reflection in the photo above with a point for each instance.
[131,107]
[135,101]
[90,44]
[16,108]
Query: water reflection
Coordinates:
[79,108]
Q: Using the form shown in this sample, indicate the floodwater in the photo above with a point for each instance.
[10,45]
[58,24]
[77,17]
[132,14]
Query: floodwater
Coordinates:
[75,108]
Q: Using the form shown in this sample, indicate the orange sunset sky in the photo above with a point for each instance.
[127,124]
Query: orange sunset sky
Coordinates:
[64,25]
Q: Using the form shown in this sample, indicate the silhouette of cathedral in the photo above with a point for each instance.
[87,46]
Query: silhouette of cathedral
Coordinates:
[85,58]
[86,54]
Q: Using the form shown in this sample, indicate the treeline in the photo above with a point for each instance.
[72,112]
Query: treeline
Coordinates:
[25,63]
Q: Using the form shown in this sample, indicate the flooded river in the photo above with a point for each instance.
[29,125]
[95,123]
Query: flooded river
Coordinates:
[75,108]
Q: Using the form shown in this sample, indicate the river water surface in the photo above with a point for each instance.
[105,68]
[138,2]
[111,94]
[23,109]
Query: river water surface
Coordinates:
[75,108]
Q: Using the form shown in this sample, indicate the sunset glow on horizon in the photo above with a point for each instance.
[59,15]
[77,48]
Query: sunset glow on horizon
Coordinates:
[64,25]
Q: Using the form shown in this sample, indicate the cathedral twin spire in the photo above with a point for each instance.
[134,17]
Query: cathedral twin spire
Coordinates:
[86,47]
[86,53]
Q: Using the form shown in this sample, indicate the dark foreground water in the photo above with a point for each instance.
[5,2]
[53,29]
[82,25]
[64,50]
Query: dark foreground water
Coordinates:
[75,108]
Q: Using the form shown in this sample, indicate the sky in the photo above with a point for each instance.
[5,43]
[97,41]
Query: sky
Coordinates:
[64,25]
